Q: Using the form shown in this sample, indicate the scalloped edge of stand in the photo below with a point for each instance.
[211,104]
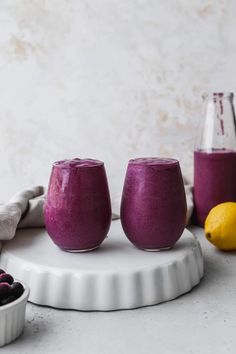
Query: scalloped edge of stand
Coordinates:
[109,290]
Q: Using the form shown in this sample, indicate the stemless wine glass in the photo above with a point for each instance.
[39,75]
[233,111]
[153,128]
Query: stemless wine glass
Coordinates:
[153,206]
[78,209]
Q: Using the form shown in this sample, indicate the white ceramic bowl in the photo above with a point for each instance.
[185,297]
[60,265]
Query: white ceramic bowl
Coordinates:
[12,318]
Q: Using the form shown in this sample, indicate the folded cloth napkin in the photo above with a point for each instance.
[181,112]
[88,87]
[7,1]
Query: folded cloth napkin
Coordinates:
[189,198]
[25,209]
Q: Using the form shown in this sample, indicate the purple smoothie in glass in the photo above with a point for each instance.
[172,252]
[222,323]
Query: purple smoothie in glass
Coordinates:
[78,210]
[214,181]
[153,206]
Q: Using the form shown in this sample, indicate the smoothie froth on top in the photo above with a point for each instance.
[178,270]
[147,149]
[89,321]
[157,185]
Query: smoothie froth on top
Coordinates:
[77,163]
[158,162]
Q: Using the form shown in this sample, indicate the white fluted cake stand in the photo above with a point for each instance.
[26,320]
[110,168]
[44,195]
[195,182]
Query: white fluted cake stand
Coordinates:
[115,276]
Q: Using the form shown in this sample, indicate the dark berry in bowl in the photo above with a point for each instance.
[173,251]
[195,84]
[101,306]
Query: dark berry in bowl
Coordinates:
[17,289]
[8,299]
[6,278]
[5,290]
[9,290]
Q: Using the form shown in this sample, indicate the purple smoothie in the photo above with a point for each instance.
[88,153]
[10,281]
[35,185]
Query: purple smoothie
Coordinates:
[214,181]
[78,210]
[153,206]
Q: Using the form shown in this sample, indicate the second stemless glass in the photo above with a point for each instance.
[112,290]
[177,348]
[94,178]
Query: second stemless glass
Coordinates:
[153,206]
[77,211]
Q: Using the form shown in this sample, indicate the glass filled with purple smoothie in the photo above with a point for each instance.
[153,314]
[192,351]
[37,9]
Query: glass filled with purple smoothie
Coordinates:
[215,155]
[153,206]
[77,211]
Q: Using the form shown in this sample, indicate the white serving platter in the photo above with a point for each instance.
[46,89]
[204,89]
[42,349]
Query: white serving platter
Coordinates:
[115,276]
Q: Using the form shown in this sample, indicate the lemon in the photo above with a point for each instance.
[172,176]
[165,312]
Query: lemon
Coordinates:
[220,226]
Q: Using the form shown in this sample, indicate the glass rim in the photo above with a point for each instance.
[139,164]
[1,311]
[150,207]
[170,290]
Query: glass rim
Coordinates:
[159,163]
[76,163]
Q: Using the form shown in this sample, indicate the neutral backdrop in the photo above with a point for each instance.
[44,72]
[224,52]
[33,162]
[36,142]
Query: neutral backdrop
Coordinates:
[107,79]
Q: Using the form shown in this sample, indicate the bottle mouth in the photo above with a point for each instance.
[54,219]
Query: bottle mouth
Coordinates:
[218,95]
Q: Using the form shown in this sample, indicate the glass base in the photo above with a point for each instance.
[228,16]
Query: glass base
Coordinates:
[80,251]
[156,249]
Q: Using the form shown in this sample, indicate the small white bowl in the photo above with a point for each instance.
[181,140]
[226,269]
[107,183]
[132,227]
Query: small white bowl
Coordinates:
[12,318]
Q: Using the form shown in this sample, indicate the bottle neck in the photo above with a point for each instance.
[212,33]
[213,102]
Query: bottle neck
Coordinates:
[217,129]
[217,96]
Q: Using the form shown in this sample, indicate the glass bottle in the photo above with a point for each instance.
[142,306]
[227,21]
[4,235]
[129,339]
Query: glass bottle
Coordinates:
[215,155]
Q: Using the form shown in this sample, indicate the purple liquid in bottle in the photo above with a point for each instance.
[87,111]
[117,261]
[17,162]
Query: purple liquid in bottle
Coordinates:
[78,210]
[215,156]
[214,181]
[153,207]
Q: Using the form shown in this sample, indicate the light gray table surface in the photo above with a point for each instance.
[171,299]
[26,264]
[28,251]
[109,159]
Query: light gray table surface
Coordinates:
[202,321]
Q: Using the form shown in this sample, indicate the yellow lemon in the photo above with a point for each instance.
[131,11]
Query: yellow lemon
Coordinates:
[220,226]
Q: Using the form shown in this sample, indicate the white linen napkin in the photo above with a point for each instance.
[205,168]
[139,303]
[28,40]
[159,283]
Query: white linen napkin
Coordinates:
[189,198]
[25,209]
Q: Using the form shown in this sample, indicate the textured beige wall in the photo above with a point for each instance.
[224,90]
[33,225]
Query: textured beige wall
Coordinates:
[107,79]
